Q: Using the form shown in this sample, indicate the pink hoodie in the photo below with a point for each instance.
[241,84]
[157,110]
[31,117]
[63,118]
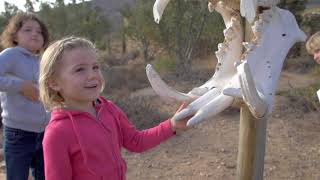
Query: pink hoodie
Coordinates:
[79,146]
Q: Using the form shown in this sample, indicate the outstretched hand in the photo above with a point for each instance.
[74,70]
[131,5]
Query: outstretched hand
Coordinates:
[181,124]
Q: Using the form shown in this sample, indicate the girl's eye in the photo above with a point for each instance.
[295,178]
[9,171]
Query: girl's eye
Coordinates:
[96,67]
[79,69]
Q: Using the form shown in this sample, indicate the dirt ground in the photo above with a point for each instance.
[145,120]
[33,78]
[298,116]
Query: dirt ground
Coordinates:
[209,151]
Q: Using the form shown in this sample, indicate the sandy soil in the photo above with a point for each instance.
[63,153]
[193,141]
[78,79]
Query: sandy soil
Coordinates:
[209,151]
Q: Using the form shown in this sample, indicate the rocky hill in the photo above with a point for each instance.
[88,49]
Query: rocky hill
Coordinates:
[111,9]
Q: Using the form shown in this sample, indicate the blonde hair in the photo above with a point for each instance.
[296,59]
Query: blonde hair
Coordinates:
[49,62]
[15,24]
[313,43]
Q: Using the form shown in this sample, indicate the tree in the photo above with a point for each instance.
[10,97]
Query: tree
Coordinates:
[29,6]
[9,10]
[140,25]
[184,25]
[75,19]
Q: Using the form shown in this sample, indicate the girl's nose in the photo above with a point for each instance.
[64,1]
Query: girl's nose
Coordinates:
[92,74]
[316,56]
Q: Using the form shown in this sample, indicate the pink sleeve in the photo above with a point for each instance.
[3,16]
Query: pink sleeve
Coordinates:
[139,141]
[56,156]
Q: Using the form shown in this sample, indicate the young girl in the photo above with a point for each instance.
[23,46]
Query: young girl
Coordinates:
[313,46]
[86,132]
[24,117]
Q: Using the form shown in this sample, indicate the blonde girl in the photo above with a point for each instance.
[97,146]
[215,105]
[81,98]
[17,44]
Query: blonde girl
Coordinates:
[87,132]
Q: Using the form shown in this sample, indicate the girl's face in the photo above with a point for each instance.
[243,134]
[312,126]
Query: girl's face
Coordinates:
[316,56]
[29,36]
[78,77]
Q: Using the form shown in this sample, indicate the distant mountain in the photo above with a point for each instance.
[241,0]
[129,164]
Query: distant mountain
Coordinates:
[111,8]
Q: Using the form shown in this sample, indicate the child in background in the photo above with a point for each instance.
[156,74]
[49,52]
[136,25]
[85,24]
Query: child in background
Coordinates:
[313,46]
[86,132]
[24,117]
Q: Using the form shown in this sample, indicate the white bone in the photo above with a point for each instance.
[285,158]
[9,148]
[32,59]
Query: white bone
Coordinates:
[163,90]
[260,71]
[158,9]
[251,95]
[193,107]
[211,109]
[229,52]
[248,8]
[212,101]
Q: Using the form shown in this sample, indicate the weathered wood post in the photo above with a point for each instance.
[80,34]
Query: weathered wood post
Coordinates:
[251,148]
[252,137]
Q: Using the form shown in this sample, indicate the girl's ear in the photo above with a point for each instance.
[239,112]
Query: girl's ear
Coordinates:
[53,84]
[15,39]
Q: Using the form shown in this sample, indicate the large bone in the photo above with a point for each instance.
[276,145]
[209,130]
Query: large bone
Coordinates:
[275,32]
[163,90]
[212,101]
[248,8]
[158,9]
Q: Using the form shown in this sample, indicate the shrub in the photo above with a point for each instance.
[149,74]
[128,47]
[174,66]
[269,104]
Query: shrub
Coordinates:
[140,110]
[165,64]
[304,99]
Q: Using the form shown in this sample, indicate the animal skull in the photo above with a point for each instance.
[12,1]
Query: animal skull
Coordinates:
[251,76]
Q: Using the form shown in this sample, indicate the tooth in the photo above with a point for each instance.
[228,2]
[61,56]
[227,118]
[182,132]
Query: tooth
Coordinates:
[158,9]
[197,104]
[257,105]
[211,109]
[162,89]
[248,45]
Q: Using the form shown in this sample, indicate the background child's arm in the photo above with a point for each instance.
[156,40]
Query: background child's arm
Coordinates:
[8,83]
[30,90]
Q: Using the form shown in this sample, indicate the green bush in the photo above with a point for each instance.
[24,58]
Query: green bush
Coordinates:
[316,70]
[165,63]
[304,98]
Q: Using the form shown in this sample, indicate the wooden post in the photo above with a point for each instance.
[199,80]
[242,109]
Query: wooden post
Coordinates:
[251,149]
[252,138]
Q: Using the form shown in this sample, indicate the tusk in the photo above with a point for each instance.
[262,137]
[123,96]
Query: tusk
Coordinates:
[158,9]
[234,92]
[211,109]
[248,9]
[163,90]
[251,96]
[193,107]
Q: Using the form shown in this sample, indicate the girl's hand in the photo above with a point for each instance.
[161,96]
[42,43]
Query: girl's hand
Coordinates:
[29,90]
[181,124]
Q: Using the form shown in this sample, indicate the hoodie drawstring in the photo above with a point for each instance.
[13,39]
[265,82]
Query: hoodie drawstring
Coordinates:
[80,144]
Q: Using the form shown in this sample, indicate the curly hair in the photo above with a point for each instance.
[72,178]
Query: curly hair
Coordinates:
[14,25]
